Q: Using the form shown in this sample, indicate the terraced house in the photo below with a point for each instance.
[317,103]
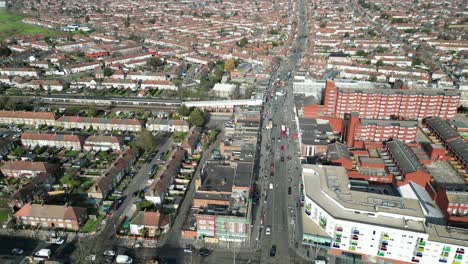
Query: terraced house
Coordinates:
[27,118]
[51,140]
[78,122]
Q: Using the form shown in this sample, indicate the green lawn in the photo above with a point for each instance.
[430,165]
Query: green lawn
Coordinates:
[92,224]
[4,215]
[10,25]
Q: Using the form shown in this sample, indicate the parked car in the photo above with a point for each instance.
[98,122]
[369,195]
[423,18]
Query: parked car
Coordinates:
[123,259]
[204,252]
[268,230]
[109,253]
[17,251]
[189,248]
[273,251]
[59,241]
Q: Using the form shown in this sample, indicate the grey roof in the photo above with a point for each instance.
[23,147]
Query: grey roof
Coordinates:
[385,123]
[313,133]
[338,150]
[442,128]
[460,149]
[404,156]
[403,92]
[217,177]
[243,174]
[301,100]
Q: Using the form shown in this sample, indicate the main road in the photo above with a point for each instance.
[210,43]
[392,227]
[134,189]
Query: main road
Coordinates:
[279,174]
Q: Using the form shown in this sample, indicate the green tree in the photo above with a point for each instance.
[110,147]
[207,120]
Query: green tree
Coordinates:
[197,117]
[243,42]
[230,65]
[127,22]
[92,111]
[4,51]
[108,71]
[379,63]
[144,205]
[155,62]
[146,141]
[346,35]
[361,53]
[184,110]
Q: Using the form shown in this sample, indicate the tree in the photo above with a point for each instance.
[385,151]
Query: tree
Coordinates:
[146,141]
[127,22]
[361,53]
[144,205]
[92,111]
[379,63]
[197,117]
[184,110]
[155,62]
[4,51]
[243,42]
[230,65]
[346,35]
[108,71]
[86,19]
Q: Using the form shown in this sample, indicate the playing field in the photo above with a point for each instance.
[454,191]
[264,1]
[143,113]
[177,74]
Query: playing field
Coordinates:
[11,25]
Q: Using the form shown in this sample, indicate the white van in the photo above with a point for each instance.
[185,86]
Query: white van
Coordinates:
[271,186]
[42,254]
[123,259]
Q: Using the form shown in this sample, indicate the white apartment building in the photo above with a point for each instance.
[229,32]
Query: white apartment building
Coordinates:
[374,227]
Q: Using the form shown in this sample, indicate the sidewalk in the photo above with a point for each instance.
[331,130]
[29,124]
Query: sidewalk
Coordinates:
[41,234]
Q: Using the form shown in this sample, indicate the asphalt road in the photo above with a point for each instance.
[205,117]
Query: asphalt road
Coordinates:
[280,161]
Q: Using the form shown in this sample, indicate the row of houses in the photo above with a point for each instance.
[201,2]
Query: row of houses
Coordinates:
[96,143]
[114,174]
[102,123]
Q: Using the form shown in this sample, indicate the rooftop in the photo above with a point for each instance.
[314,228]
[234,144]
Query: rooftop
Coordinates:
[405,158]
[328,186]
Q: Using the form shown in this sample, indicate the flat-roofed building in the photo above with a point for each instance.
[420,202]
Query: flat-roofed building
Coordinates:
[373,227]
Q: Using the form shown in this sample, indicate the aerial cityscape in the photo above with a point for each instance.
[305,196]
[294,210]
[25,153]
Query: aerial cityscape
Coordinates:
[234,131]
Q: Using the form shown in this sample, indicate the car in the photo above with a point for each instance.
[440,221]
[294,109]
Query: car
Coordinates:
[109,253]
[17,251]
[268,230]
[59,241]
[282,158]
[189,248]
[273,251]
[91,258]
[282,148]
[204,252]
